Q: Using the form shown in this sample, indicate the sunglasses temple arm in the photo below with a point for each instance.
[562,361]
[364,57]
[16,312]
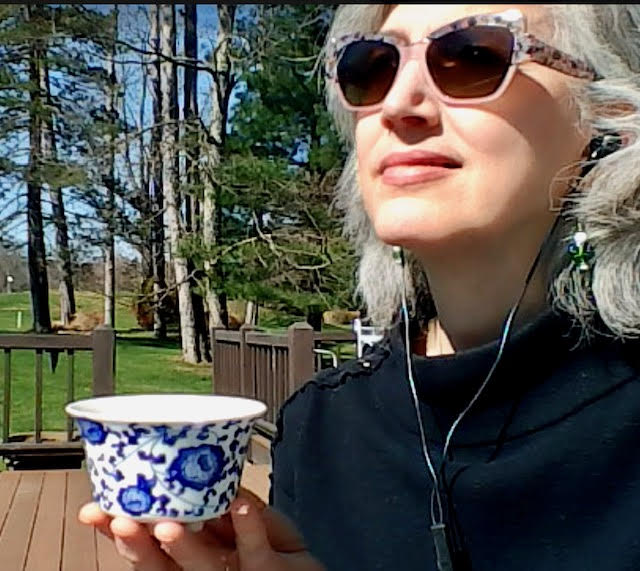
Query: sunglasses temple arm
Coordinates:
[540,52]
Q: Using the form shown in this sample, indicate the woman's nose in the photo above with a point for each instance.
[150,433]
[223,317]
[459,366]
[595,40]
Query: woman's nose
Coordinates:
[410,97]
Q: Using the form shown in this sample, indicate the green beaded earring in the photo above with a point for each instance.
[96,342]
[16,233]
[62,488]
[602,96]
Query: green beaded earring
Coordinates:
[580,250]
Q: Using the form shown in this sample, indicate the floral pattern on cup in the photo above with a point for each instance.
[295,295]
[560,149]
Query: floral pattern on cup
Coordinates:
[137,500]
[150,472]
[92,432]
[197,467]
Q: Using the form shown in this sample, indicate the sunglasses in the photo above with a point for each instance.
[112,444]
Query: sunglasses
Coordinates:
[472,60]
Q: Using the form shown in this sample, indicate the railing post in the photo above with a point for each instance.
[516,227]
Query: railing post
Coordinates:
[104,360]
[37,426]
[246,376]
[357,329]
[214,361]
[301,356]
[7,396]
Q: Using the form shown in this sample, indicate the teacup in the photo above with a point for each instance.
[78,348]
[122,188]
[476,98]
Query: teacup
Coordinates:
[165,456]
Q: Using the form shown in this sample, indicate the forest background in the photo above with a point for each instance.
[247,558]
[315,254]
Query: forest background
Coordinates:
[175,158]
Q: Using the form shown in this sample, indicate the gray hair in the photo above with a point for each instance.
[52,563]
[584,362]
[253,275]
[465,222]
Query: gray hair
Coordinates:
[606,202]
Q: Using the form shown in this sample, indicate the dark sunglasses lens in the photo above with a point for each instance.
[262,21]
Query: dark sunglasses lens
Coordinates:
[366,71]
[470,63]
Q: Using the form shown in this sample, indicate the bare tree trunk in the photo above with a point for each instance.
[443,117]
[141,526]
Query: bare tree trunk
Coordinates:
[50,153]
[190,112]
[220,93]
[192,151]
[156,187]
[170,179]
[36,254]
[110,184]
[109,279]
[144,202]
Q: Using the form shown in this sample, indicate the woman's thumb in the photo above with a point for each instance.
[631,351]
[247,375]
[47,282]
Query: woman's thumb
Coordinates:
[252,542]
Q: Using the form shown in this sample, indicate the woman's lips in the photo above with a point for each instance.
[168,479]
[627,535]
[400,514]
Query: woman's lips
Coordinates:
[413,167]
[403,175]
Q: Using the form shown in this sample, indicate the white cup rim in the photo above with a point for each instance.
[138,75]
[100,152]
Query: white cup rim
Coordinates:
[191,409]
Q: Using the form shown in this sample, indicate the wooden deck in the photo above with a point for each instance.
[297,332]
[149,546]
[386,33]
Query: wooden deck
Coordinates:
[39,529]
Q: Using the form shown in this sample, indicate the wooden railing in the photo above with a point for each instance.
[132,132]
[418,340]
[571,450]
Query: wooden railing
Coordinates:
[268,367]
[102,345]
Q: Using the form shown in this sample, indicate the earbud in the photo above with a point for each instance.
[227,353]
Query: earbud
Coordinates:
[600,147]
[604,145]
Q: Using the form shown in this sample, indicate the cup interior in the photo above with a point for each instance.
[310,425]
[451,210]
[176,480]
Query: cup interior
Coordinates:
[166,408]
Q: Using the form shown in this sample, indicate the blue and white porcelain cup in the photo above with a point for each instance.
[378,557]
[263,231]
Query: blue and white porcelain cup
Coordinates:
[165,456]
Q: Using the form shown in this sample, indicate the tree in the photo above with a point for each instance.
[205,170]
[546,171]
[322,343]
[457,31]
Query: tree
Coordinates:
[169,107]
[192,181]
[50,151]
[39,287]
[156,187]
[282,244]
[221,88]
[109,180]
[46,84]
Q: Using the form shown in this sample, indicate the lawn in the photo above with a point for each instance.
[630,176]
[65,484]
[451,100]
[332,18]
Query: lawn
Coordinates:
[143,364]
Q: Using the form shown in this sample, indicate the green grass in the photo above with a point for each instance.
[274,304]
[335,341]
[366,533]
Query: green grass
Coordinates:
[88,302]
[143,364]
[10,305]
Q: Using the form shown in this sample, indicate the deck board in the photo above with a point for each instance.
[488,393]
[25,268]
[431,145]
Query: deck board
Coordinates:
[7,490]
[16,535]
[79,541]
[45,548]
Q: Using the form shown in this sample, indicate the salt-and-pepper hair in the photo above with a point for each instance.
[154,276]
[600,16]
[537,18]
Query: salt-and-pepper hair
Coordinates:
[607,201]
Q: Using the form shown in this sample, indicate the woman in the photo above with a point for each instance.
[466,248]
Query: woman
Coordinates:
[499,170]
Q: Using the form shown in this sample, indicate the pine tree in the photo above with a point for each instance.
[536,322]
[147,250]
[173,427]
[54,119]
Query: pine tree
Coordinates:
[45,83]
[282,243]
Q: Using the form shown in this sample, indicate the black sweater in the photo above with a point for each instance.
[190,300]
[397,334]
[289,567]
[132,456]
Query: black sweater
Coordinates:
[543,474]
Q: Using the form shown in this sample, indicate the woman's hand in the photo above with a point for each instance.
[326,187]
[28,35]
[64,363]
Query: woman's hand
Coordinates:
[251,537]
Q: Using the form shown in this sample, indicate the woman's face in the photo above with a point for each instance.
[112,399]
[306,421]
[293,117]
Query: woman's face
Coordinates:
[507,151]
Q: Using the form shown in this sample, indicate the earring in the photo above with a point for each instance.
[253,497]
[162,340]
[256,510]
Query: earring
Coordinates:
[398,255]
[580,250]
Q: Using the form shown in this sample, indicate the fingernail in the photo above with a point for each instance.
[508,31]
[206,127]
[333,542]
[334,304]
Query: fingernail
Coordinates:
[160,531]
[195,526]
[243,509]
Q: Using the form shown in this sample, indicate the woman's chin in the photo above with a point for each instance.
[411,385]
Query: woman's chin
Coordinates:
[420,224]
[404,237]
[405,231]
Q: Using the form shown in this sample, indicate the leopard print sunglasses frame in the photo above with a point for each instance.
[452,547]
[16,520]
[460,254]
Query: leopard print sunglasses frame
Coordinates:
[526,48]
